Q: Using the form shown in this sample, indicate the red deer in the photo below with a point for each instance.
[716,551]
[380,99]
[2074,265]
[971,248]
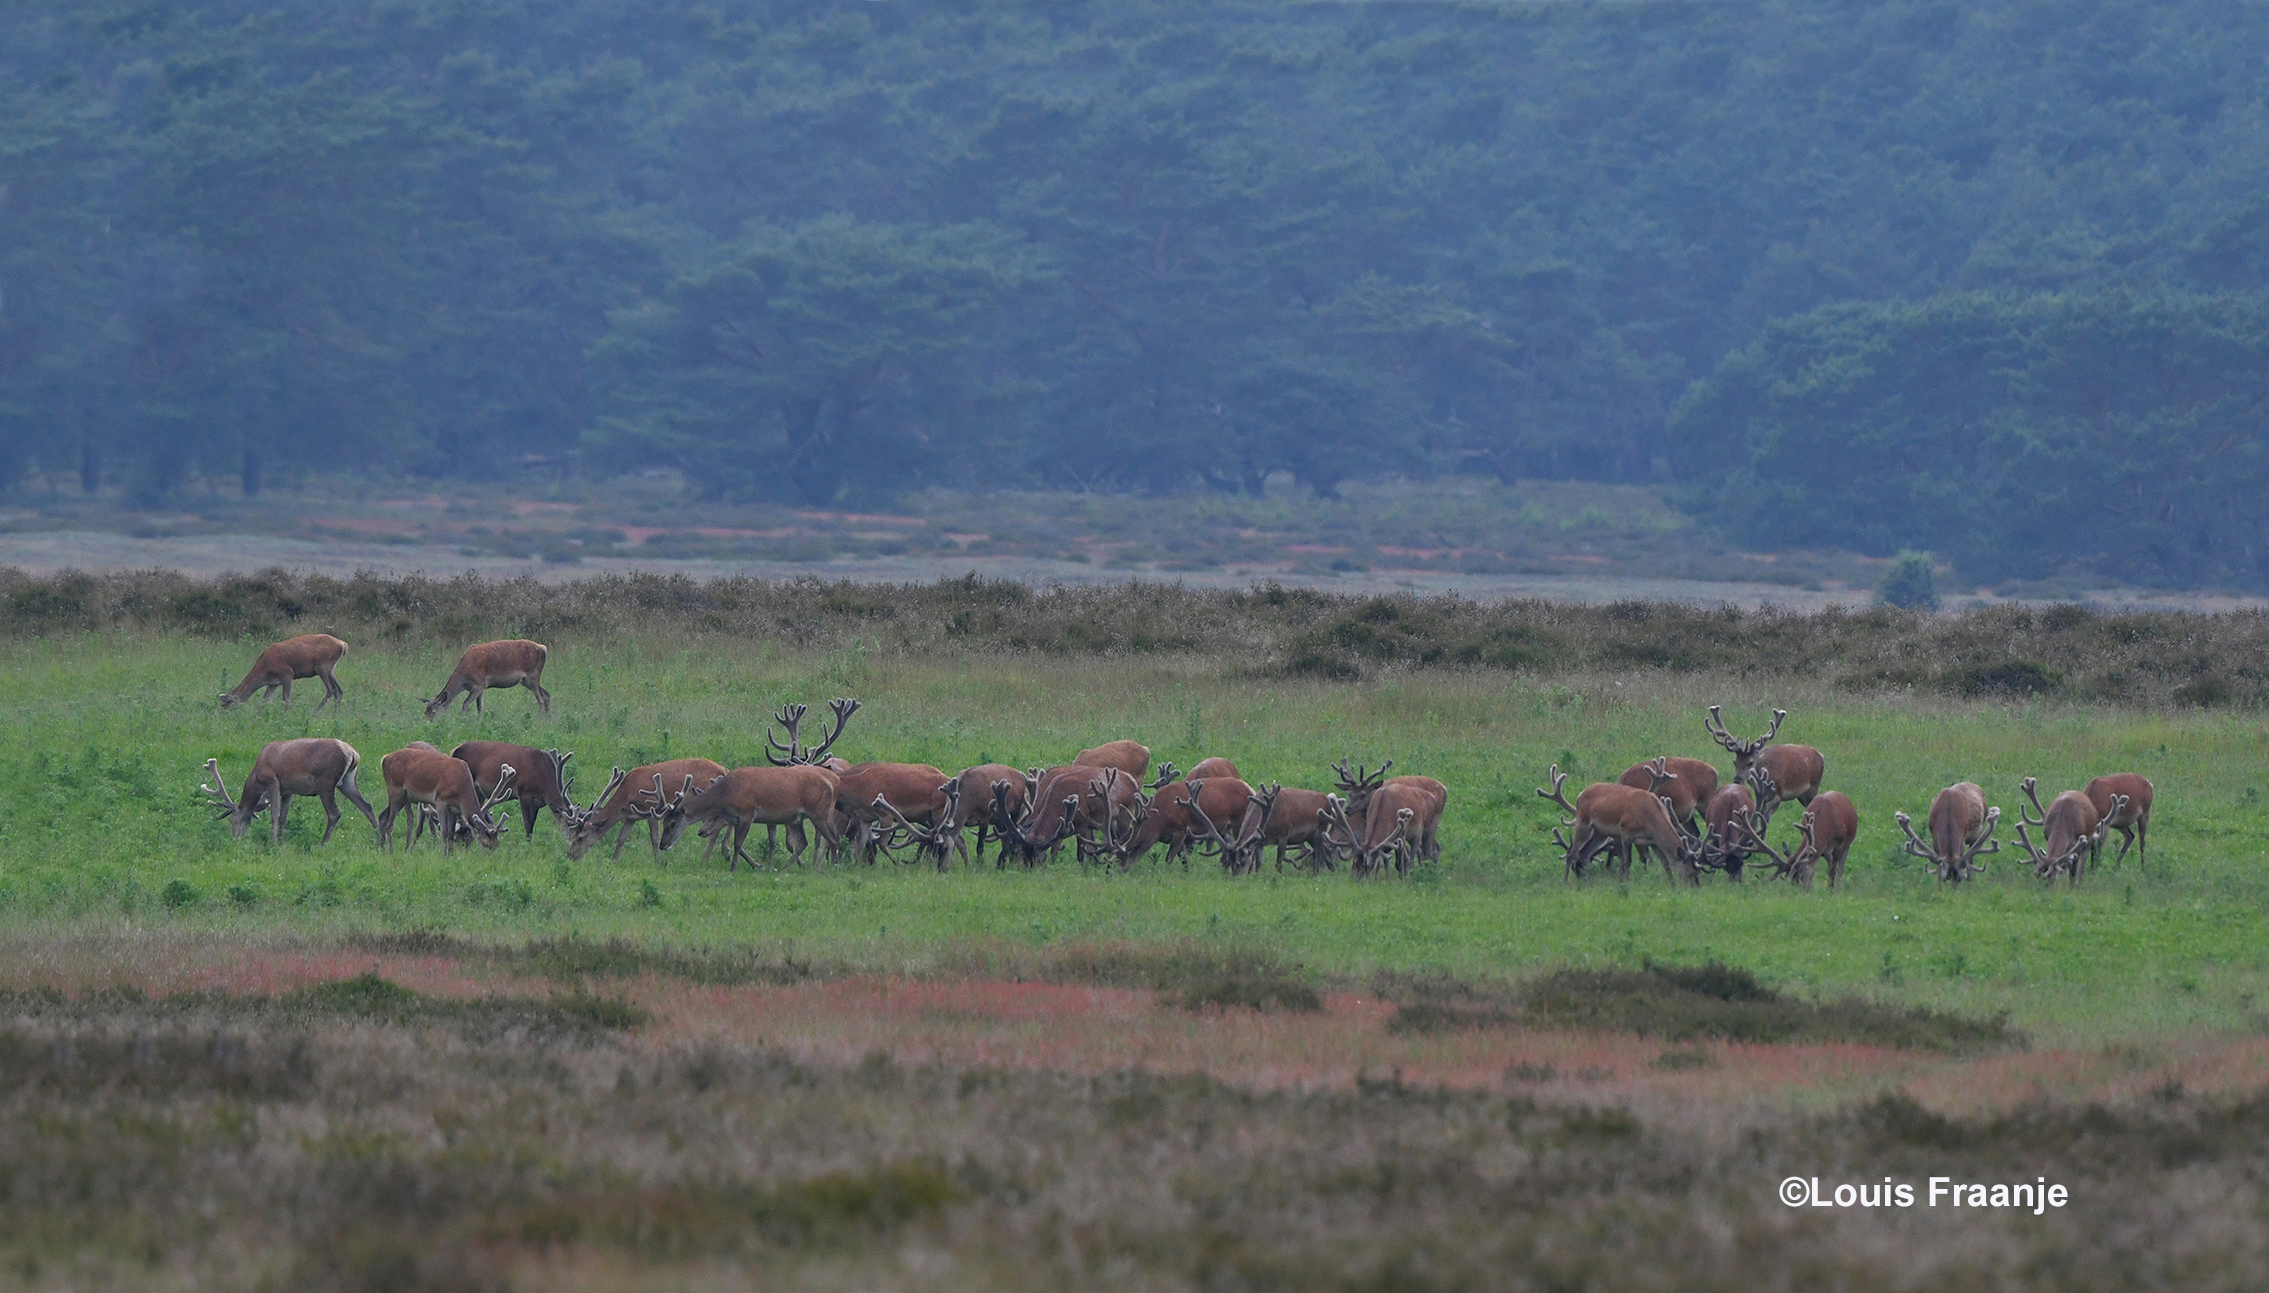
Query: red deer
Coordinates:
[765,796]
[2071,825]
[1691,793]
[516,663]
[1724,843]
[1046,825]
[1826,832]
[973,806]
[311,765]
[1796,770]
[794,754]
[310,655]
[432,778]
[1358,785]
[1289,818]
[1213,767]
[2133,821]
[1961,832]
[1076,783]
[1130,757]
[1182,814]
[1609,814]
[1389,827]
[539,781]
[643,794]
[913,792]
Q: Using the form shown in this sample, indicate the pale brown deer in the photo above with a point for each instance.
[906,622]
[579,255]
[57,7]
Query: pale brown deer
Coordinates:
[1358,785]
[1038,831]
[311,765]
[1212,767]
[1961,832]
[916,791]
[429,777]
[1696,784]
[2071,826]
[1796,770]
[973,806]
[1609,814]
[1725,845]
[643,794]
[771,797]
[310,655]
[2132,820]
[1289,818]
[514,663]
[1825,834]
[1181,815]
[1107,798]
[1386,830]
[539,780]
[1130,757]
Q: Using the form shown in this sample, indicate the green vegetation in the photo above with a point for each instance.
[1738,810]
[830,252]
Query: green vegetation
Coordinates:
[1784,253]
[1910,583]
[106,730]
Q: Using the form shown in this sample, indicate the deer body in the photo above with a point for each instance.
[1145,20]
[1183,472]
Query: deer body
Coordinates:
[1697,782]
[915,790]
[1130,757]
[1213,767]
[1181,813]
[514,663]
[1961,831]
[1723,844]
[1796,770]
[1388,824]
[2133,822]
[315,765]
[2073,825]
[1827,830]
[539,778]
[766,796]
[1609,814]
[632,797]
[310,655]
[1287,817]
[429,777]
[973,805]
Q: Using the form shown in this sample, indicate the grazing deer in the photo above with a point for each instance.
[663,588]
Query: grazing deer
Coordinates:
[2071,825]
[1077,784]
[794,754]
[1696,784]
[1213,767]
[973,806]
[1358,786]
[2132,820]
[1130,757]
[1181,815]
[911,792]
[1389,827]
[1289,818]
[1724,843]
[1796,770]
[310,655]
[643,794]
[1826,831]
[515,663]
[771,797]
[1609,814]
[432,778]
[1961,832]
[311,765]
[539,781]
[1039,831]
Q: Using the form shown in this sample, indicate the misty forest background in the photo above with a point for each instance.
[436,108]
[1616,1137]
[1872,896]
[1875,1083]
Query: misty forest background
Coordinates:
[1990,278]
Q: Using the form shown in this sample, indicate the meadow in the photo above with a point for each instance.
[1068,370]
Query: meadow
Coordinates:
[229,1064]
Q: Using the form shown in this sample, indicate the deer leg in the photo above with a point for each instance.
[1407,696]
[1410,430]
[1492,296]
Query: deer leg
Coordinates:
[2142,829]
[330,688]
[385,825]
[543,698]
[287,691]
[354,796]
[330,815]
[730,861]
[283,811]
[771,842]
[622,837]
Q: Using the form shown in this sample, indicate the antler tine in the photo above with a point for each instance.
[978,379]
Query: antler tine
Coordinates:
[1715,726]
[1753,827]
[1915,844]
[790,716]
[2119,805]
[2025,841]
[1347,779]
[219,789]
[1555,794]
[1166,775]
[1988,844]
[504,779]
[1658,771]
[2028,786]
[1779,716]
[920,835]
[842,708]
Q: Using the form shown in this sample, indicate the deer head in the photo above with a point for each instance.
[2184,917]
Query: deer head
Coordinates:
[1744,752]
[1359,784]
[791,717]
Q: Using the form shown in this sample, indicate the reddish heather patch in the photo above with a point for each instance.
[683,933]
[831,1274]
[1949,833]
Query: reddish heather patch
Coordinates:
[1320,549]
[525,507]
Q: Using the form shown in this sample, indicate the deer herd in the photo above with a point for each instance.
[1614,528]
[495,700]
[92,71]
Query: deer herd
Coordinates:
[1674,808]
[1112,807]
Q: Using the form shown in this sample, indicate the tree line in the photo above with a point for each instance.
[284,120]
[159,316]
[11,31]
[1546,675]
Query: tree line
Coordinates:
[1982,277]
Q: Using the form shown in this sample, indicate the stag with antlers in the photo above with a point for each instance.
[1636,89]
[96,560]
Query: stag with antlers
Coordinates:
[1289,818]
[1795,770]
[1183,815]
[514,663]
[2071,826]
[1825,834]
[972,806]
[310,655]
[2133,819]
[1609,814]
[540,779]
[1695,786]
[1358,786]
[1961,832]
[431,778]
[1386,830]
[315,765]
[1038,832]
[794,754]
[643,794]
[771,797]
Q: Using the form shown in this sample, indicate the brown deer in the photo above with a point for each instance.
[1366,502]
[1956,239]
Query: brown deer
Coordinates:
[1130,757]
[1038,832]
[430,777]
[765,796]
[643,794]
[2071,825]
[973,806]
[1389,826]
[1213,767]
[310,655]
[1358,785]
[1076,783]
[913,792]
[2133,820]
[1961,832]
[1609,814]
[515,663]
[1181,815]
[1696,784]
[1289,818]
[1725,846]
[539,780]
[311,765]
[1826,832]
[1796,770]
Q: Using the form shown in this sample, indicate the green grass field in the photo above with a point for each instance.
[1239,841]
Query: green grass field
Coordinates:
[106,828]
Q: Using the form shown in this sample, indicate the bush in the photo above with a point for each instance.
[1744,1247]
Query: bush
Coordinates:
[1910,584]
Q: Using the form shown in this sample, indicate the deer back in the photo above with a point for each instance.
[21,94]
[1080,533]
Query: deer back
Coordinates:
[305,765]
[1627,813]
[493,663]
[1796,769]
[1729,803]
[976,797]
[2070,818]
[912,788]
[1380,816]
[1835,822]
[1437,796]
[534,775]
[1696,781]
[430,776]
[1130,757]
[1210,768]
[1957,816]
[2137,789]
[1292,819]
